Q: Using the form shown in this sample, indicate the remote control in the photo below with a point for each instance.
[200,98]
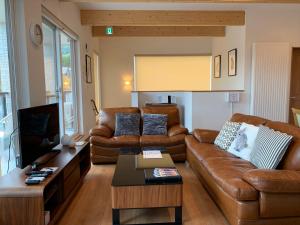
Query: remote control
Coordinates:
[38,172]
[39,175]
[31,182]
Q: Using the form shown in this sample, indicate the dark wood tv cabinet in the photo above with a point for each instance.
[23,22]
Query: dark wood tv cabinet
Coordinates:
[22,204]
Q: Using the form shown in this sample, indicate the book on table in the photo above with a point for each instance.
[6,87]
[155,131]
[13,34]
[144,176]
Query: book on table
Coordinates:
[162,175]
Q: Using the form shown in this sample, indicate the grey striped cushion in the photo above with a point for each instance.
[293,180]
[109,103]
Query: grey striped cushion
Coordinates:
[127,124]
[270,146]
[227,135]
[155,124]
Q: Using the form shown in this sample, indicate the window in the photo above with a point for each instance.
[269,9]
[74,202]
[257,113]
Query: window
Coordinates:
[6,107]
[60,75]
[172,73]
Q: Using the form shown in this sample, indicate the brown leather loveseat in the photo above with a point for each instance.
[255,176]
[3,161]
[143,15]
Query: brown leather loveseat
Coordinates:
[105,146]
[245,194]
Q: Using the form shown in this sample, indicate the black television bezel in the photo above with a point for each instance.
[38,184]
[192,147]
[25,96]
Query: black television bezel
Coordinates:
[41,108]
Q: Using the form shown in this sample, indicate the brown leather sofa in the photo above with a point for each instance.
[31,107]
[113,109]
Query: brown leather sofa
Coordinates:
[105,147]
[245,194]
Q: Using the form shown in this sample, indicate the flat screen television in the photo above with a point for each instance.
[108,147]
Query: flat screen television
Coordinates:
[38,132]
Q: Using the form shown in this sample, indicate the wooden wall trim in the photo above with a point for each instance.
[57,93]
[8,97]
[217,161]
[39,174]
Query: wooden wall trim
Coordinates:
[161,18]
[151,31]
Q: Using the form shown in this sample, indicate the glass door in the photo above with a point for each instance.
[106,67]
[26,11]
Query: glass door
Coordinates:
[60,75]
[67,55]
[7,105]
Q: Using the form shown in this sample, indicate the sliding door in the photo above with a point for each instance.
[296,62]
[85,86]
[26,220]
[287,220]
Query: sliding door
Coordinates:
[60,75]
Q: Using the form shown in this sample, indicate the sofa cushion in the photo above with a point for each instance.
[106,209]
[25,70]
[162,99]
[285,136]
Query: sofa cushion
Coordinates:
[244,142]
[155,124]
[270,146]
[161,140]
[127,124]
[203,151]
[107,116]
[114,142]
[291,160]
[171,111]
[227,135]
[228,173]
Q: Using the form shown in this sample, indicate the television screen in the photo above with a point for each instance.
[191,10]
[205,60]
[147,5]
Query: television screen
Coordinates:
[38,132]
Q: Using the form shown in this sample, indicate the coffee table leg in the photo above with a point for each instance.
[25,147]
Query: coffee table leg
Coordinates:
[115,216]
[178,215]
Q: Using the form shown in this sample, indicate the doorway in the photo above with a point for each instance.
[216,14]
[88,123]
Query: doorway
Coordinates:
[97,80]
[295,84]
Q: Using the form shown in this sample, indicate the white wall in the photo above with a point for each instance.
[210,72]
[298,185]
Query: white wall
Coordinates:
[270,24]
[264,23]
[31,81]
[235,38]
[117,65]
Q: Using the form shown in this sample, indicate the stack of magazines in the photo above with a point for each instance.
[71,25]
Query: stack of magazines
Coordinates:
[162,175]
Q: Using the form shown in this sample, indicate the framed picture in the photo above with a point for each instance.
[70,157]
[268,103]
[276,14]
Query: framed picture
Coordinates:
[88,69]
[217,66]
[232,62]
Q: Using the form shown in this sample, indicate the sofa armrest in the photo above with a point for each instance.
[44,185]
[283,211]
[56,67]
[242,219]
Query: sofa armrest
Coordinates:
[274,181]
[205,136]
[177,129]
[101,131]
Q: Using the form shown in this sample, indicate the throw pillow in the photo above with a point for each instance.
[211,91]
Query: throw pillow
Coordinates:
[155,124]
[270,146]
[227,135]
[127,124]
[244,142]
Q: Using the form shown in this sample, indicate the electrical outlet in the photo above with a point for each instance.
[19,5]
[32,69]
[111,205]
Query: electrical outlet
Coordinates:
[232,97]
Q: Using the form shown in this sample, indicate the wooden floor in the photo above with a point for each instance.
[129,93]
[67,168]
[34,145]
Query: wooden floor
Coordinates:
[92,204]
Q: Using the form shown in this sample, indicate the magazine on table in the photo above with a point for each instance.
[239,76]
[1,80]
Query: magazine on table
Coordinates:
[162,175]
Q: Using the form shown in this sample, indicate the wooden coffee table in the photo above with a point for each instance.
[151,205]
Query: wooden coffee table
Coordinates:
[130,191]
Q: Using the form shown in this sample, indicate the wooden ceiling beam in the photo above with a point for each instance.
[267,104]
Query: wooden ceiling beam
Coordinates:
[150,31]
[161,18]
[185,1]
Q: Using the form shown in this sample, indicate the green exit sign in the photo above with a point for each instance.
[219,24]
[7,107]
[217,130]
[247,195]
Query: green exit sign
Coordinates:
[109,31]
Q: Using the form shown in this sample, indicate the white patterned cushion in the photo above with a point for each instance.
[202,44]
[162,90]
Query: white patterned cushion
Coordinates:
[227,135]
[244,142]
[270,147]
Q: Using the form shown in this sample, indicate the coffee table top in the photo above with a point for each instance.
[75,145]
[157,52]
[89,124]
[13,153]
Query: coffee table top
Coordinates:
[126,173]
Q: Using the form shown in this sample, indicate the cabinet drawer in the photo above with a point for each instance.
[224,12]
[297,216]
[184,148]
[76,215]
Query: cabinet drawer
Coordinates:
[71,181]
[70,167]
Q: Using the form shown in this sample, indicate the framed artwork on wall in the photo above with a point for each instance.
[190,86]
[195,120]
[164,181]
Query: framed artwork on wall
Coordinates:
[217,66]
[232,62]
[88,69]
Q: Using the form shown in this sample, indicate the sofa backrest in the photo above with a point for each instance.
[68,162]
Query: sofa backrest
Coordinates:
[254,120]
[171,111]
[107,116]
[291,159]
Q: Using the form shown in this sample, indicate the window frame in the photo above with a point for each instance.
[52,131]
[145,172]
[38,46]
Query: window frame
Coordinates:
[59,75]
[11,54]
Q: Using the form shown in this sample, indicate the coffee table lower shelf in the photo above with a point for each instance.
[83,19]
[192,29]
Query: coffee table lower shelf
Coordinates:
[178,218]
[147,196]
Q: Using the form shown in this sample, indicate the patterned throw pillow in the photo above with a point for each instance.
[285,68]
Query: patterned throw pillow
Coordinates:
[270,146]
[227,135]
[244,142]
[155,124]
[127,124]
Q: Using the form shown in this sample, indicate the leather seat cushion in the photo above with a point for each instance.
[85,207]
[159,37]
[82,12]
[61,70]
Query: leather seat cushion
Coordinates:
[228,173]
[120,141]
[203,151]
[161,140]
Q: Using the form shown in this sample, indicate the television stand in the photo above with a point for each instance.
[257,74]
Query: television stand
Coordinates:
[28,204]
